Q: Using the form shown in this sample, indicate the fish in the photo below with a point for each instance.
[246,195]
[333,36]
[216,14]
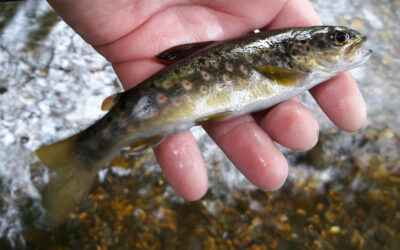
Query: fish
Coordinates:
[203,82]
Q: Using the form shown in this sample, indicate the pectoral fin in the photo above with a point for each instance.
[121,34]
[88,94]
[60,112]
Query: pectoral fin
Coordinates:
[146,142]
[213,118]
[286,77]
[181,51]
[110,102]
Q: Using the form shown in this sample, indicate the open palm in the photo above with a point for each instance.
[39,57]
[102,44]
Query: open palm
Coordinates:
[130,33]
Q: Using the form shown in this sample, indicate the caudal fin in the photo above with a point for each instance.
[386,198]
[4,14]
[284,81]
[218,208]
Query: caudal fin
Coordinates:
[71,182]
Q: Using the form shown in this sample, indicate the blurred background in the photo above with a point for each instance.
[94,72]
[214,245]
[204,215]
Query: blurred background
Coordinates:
[342,194]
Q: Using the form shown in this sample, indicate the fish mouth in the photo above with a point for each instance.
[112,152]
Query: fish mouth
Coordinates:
[356,54]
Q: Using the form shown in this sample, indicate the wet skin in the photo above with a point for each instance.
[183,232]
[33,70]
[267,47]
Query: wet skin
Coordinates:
[133,32]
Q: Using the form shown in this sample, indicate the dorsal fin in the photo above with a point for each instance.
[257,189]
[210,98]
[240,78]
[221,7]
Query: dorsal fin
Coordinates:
[110,101]
[281,76]
[181,51]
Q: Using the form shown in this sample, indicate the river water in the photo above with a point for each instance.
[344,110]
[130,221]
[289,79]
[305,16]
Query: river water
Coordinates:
[343,193]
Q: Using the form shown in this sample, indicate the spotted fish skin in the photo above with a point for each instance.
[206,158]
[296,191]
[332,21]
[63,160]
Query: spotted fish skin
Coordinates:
[211,82]
[219,82]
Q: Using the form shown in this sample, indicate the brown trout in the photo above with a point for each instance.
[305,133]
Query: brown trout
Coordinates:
[205,82]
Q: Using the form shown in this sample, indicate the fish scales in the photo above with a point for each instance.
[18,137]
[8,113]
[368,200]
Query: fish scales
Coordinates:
[204,82]
[220,80]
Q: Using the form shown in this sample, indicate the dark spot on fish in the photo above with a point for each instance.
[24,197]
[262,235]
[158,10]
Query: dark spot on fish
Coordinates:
[109,118]
[295,52]
[104,144]
[201,61]
[176,71]
[303,41]
[321,45]
[308,48]
[3,90]
[122,106]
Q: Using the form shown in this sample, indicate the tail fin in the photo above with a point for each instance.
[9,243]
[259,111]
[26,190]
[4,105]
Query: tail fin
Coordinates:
[72,180]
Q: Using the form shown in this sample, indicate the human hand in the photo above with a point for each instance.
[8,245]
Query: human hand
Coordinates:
[129,33]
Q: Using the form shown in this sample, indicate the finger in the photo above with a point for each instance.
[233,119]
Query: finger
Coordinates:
[132,73]
[342,102]
[183,166]
[292,125]
[157,34]
[251,150]
[102,21]
[202,21]
[295,13]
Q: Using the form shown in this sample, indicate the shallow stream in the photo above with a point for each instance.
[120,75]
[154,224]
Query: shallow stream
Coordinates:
[344,193]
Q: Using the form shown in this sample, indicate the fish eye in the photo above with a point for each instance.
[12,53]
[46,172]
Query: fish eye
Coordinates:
[340,38]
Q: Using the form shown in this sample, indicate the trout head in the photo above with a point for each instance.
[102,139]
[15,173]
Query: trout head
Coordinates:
[327,50]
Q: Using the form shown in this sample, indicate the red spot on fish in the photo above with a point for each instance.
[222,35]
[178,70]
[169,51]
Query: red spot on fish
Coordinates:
[167,84]
[131,128]
[214,64]
[226,79]
[249,59]
[243,69]
[229,67]
[161,98]
[177,101]
[106,134]
[122,122]
[205,75]
[187,85]
[241,81]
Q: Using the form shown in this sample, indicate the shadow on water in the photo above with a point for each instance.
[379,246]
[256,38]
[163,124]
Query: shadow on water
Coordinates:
[46,22]
[342,194]
[7,12]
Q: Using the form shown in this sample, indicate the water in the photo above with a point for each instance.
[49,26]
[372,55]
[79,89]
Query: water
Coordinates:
[52,84]
[35,106]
